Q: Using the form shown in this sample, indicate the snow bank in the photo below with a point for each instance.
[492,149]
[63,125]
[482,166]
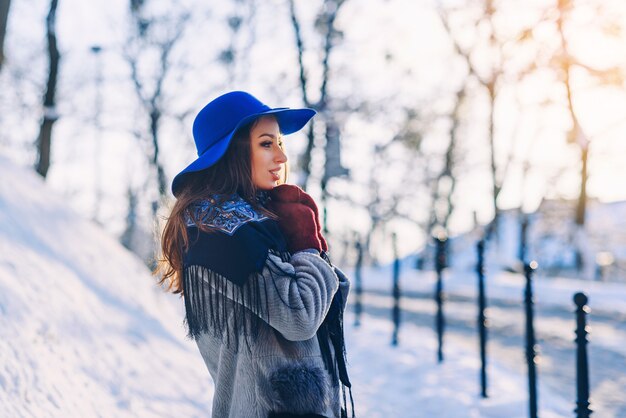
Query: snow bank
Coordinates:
[84,331]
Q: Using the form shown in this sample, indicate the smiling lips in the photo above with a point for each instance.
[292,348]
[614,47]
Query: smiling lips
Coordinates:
[275,174]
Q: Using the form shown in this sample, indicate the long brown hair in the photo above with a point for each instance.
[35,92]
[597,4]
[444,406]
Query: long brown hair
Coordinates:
[231,174]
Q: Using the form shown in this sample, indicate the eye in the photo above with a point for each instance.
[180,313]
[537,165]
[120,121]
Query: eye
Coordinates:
[266,144]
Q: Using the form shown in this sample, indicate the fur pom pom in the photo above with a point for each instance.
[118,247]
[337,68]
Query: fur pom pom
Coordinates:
[300,389]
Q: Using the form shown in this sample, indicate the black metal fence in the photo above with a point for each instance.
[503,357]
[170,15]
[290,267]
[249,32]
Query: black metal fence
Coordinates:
[532,355]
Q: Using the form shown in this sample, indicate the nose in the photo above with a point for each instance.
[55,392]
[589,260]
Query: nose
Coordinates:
[280,156]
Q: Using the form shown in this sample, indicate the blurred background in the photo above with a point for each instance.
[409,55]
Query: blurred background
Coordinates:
[434,116]
[441,124]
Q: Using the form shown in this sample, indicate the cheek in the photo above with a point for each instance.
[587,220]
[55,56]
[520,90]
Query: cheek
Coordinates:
[259,164]
[255,168]
[254,160]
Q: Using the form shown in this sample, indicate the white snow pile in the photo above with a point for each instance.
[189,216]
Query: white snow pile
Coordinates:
[84,330]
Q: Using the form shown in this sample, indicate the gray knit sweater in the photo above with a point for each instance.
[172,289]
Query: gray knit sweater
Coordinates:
[281,370]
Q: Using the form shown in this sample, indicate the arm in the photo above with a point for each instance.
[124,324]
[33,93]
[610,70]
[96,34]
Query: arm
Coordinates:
[295,296]
[299,294]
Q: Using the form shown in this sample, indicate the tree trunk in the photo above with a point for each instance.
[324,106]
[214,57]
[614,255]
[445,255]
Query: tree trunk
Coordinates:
[333,167]
[450,158]
[4,17]
[328,31]
[44,140]
[584,257]
[305,158]
[493,227]
[131,220]
[581,208]
[155,116]
[585,260]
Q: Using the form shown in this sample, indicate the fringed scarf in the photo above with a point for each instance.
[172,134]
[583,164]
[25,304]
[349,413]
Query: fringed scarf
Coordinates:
[237,248]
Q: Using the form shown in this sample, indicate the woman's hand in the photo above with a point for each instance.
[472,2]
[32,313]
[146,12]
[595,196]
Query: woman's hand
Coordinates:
[298,218]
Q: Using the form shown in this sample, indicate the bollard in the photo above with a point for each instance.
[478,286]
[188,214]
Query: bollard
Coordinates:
[395,312]
[358,285]
[531,350]
[582,366]
[440,263]
[482,322]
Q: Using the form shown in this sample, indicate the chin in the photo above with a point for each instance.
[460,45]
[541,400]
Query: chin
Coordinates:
[267,187]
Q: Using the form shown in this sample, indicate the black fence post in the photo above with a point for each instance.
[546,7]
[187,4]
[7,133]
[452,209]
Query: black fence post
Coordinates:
[531,349]
[482,321]
[440,263]
[358,285]
[395,312]
[582,367]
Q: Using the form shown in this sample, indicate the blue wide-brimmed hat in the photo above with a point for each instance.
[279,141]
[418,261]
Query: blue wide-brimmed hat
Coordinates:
[216,124]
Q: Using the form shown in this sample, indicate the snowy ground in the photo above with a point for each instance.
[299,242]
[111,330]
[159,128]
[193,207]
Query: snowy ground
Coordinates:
[407,381]
[84,332]
[554,325]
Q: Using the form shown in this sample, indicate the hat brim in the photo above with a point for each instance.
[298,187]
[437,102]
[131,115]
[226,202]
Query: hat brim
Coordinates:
[289,121]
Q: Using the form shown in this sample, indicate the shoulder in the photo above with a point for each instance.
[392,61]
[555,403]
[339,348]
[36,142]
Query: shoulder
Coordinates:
[223,213]
[238,237]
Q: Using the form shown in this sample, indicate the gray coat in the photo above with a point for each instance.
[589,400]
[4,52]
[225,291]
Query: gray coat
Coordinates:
[281,369]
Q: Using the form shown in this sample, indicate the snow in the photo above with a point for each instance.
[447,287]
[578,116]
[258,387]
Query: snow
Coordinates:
[407,381]
[85,332]
[507,286]
[554,328]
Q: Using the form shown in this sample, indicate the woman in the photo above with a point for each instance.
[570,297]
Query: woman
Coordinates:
[262,301]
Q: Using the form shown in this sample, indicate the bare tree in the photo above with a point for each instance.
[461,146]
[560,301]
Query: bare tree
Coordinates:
[4,17]
[565,63]
[149,89]
[330,35]
[444,185]
[386,200]
[50,115]
[325,25]
[236,57]
[491,82]
[130,229]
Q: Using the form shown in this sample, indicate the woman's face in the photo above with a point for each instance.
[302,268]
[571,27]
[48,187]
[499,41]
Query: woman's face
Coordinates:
[268,158]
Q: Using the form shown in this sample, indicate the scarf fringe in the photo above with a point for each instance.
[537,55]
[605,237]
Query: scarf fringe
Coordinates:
[211,301]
